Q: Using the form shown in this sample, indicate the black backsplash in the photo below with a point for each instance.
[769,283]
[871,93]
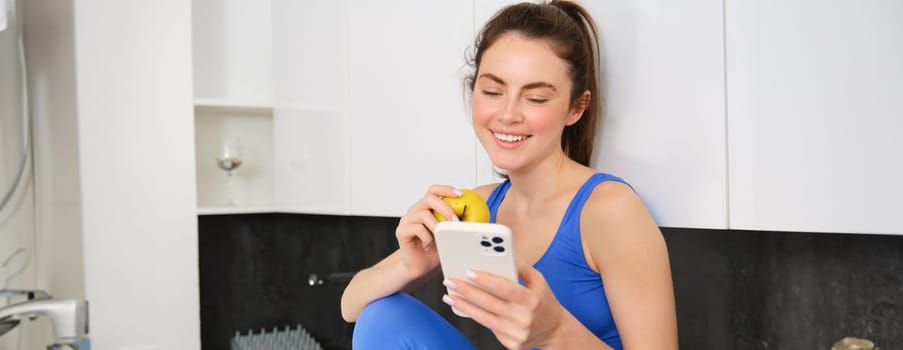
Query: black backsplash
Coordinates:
[733,289]
[783,290]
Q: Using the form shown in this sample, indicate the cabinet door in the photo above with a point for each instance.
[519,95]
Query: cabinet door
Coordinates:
[232,51]
[407,124]
[814,113]
[309,116]
[664,126]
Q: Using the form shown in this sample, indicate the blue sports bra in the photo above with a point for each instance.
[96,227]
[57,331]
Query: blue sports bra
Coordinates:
[578,288]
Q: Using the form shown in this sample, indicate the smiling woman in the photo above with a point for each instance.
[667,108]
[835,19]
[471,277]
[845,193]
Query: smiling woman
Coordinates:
[592,262]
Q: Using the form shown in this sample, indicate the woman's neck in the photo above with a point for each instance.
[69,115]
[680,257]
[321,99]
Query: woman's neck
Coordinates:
[546,180]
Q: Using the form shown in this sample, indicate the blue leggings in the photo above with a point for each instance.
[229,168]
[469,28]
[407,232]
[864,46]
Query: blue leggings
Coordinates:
[400,321]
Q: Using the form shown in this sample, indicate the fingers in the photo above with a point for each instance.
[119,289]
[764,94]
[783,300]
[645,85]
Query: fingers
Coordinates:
[407,233]
[432,201]
[500,286]
[473,310]
[435,203]
[444,191]
[490,292]
[501,325]
[518,315]
[419,222]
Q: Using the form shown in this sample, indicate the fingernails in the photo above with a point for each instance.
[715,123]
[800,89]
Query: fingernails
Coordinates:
[458,192]
[455,218]
[447,299]
[470,274]
[449,283]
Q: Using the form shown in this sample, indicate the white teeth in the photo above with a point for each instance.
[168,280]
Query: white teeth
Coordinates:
[509,138]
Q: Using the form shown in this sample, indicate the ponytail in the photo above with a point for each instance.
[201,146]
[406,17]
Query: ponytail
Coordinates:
[579,139]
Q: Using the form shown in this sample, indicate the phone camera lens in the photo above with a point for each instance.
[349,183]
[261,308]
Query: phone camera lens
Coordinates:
[499,249]
[485,243]
[497,240]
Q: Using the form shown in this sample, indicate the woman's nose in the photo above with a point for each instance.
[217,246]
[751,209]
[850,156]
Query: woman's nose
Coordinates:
[510,112]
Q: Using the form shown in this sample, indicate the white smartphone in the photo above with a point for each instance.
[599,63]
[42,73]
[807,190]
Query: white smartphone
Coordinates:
[478,246]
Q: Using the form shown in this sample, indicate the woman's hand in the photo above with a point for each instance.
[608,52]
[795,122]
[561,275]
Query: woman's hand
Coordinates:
[521,317]
[415,230]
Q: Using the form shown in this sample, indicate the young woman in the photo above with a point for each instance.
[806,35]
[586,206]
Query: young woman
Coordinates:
[593,262]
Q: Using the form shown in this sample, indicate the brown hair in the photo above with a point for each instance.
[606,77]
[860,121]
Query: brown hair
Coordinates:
[570,30]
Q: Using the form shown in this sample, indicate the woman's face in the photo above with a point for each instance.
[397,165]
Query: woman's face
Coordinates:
[521,102]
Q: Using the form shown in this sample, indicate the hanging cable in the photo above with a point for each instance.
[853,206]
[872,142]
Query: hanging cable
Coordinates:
[26,128]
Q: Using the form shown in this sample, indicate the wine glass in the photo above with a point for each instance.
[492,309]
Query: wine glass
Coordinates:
[228,158]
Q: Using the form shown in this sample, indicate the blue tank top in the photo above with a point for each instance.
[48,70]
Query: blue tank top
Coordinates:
[576,286]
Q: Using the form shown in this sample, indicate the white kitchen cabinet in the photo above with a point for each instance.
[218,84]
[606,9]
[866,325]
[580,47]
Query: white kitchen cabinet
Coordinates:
[233,90]
[368,104]
[310,110]
[232,51]
[407,124]
[767,126]
[663,127]
[814,115]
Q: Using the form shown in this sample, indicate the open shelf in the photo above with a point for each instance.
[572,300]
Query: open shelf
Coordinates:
[252,183]
[243,107]
[265,210]
[235,210]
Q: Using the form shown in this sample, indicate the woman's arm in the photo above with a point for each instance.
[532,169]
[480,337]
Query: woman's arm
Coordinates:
[383,279]
[414,262]
[624,244]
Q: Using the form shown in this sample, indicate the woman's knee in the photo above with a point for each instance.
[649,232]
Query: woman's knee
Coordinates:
[400,321]
[390,310]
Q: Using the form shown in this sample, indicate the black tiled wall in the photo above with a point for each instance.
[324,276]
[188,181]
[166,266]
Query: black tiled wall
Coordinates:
[734,289]
[783,290]
[254,272]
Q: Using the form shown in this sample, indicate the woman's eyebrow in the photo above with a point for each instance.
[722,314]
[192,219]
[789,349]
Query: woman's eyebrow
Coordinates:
[539,85]
[533,85]
[492,77]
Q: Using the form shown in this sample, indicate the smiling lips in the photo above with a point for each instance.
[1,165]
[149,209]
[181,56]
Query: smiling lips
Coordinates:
[509,138]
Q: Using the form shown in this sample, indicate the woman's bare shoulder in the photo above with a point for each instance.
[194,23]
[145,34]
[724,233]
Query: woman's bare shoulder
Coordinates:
[615,224]
[611,193]
[486,190]
[615,205]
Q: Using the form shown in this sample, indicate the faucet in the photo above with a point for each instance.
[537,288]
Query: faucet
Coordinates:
[68,317]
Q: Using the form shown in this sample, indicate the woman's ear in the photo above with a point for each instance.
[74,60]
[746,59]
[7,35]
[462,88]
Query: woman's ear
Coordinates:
[578,108]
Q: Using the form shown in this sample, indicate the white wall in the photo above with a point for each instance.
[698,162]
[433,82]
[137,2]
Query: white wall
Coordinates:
[17,238]
[112,90]
[17,251]
[135,127]
[59,261]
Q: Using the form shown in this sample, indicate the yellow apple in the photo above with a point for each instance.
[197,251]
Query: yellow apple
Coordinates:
[469,207]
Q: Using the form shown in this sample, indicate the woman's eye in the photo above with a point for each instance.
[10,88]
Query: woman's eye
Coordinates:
[491,93]
[537,100]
